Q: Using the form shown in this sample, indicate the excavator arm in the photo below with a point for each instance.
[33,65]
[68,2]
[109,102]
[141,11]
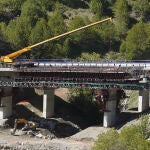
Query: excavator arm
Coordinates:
[27,125]
[11,57]
[18,121]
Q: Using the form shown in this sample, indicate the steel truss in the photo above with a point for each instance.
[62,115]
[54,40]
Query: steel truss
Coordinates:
[55,84]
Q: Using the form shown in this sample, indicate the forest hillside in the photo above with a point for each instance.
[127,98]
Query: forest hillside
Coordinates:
[25,22]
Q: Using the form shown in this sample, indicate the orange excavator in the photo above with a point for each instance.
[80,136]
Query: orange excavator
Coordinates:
[11,57]
[27,125]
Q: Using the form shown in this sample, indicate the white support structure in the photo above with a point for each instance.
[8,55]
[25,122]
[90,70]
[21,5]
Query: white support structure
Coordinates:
[110,116]
[143,101]
[6,109]
[6,103]
[149,98]
[48,103]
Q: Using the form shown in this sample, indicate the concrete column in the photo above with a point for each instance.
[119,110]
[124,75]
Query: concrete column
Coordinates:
[149,98]
[6,103]
[48,103]
[143,101]
[6,107]
[110,115]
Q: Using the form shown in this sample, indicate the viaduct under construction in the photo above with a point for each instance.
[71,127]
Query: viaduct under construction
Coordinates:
[46,75]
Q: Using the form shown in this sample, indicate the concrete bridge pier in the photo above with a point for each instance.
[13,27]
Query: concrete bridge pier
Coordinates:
[143,100]
[109,118]
[5,102]
[48,101]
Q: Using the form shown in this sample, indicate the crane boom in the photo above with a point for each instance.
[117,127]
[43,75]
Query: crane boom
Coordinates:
[10,57]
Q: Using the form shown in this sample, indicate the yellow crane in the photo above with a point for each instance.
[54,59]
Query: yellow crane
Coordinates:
[11,57]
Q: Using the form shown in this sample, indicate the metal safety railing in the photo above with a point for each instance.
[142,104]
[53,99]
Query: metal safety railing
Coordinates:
[84,66]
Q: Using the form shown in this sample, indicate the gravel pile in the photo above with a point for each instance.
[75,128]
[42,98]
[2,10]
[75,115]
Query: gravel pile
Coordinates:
[89,134]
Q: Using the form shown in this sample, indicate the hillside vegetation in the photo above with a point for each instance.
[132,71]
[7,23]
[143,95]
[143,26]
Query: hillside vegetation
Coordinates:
[133,137]
[26,22]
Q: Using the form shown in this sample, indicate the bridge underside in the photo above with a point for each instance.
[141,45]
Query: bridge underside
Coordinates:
[73,80]
[73,74]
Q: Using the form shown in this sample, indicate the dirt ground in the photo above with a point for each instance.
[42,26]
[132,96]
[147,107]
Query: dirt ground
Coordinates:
[82,140]
[8,141]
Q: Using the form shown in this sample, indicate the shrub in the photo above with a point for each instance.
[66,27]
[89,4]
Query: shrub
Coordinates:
[130,138]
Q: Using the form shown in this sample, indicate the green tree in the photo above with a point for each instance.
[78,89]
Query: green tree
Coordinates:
[96,6]
[4,46]
[108,35]
[10,9]
[109,141]
[111,1]
[121,17]
[89,56]
[58,7]
[33,10]
[15,4]
[133,138]
[73,42]
[40,32]
[73,3]
[71,48]
[2,31]
[66,47]
[57,27]
[56,23]
[18,32]
[111,55]
[77,22]
[129,138]
[137,43]
[144,126]
[11,4]
[142,9]
[46,4]
[88,40]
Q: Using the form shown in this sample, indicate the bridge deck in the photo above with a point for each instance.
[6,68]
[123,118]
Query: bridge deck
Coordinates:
[60,73]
